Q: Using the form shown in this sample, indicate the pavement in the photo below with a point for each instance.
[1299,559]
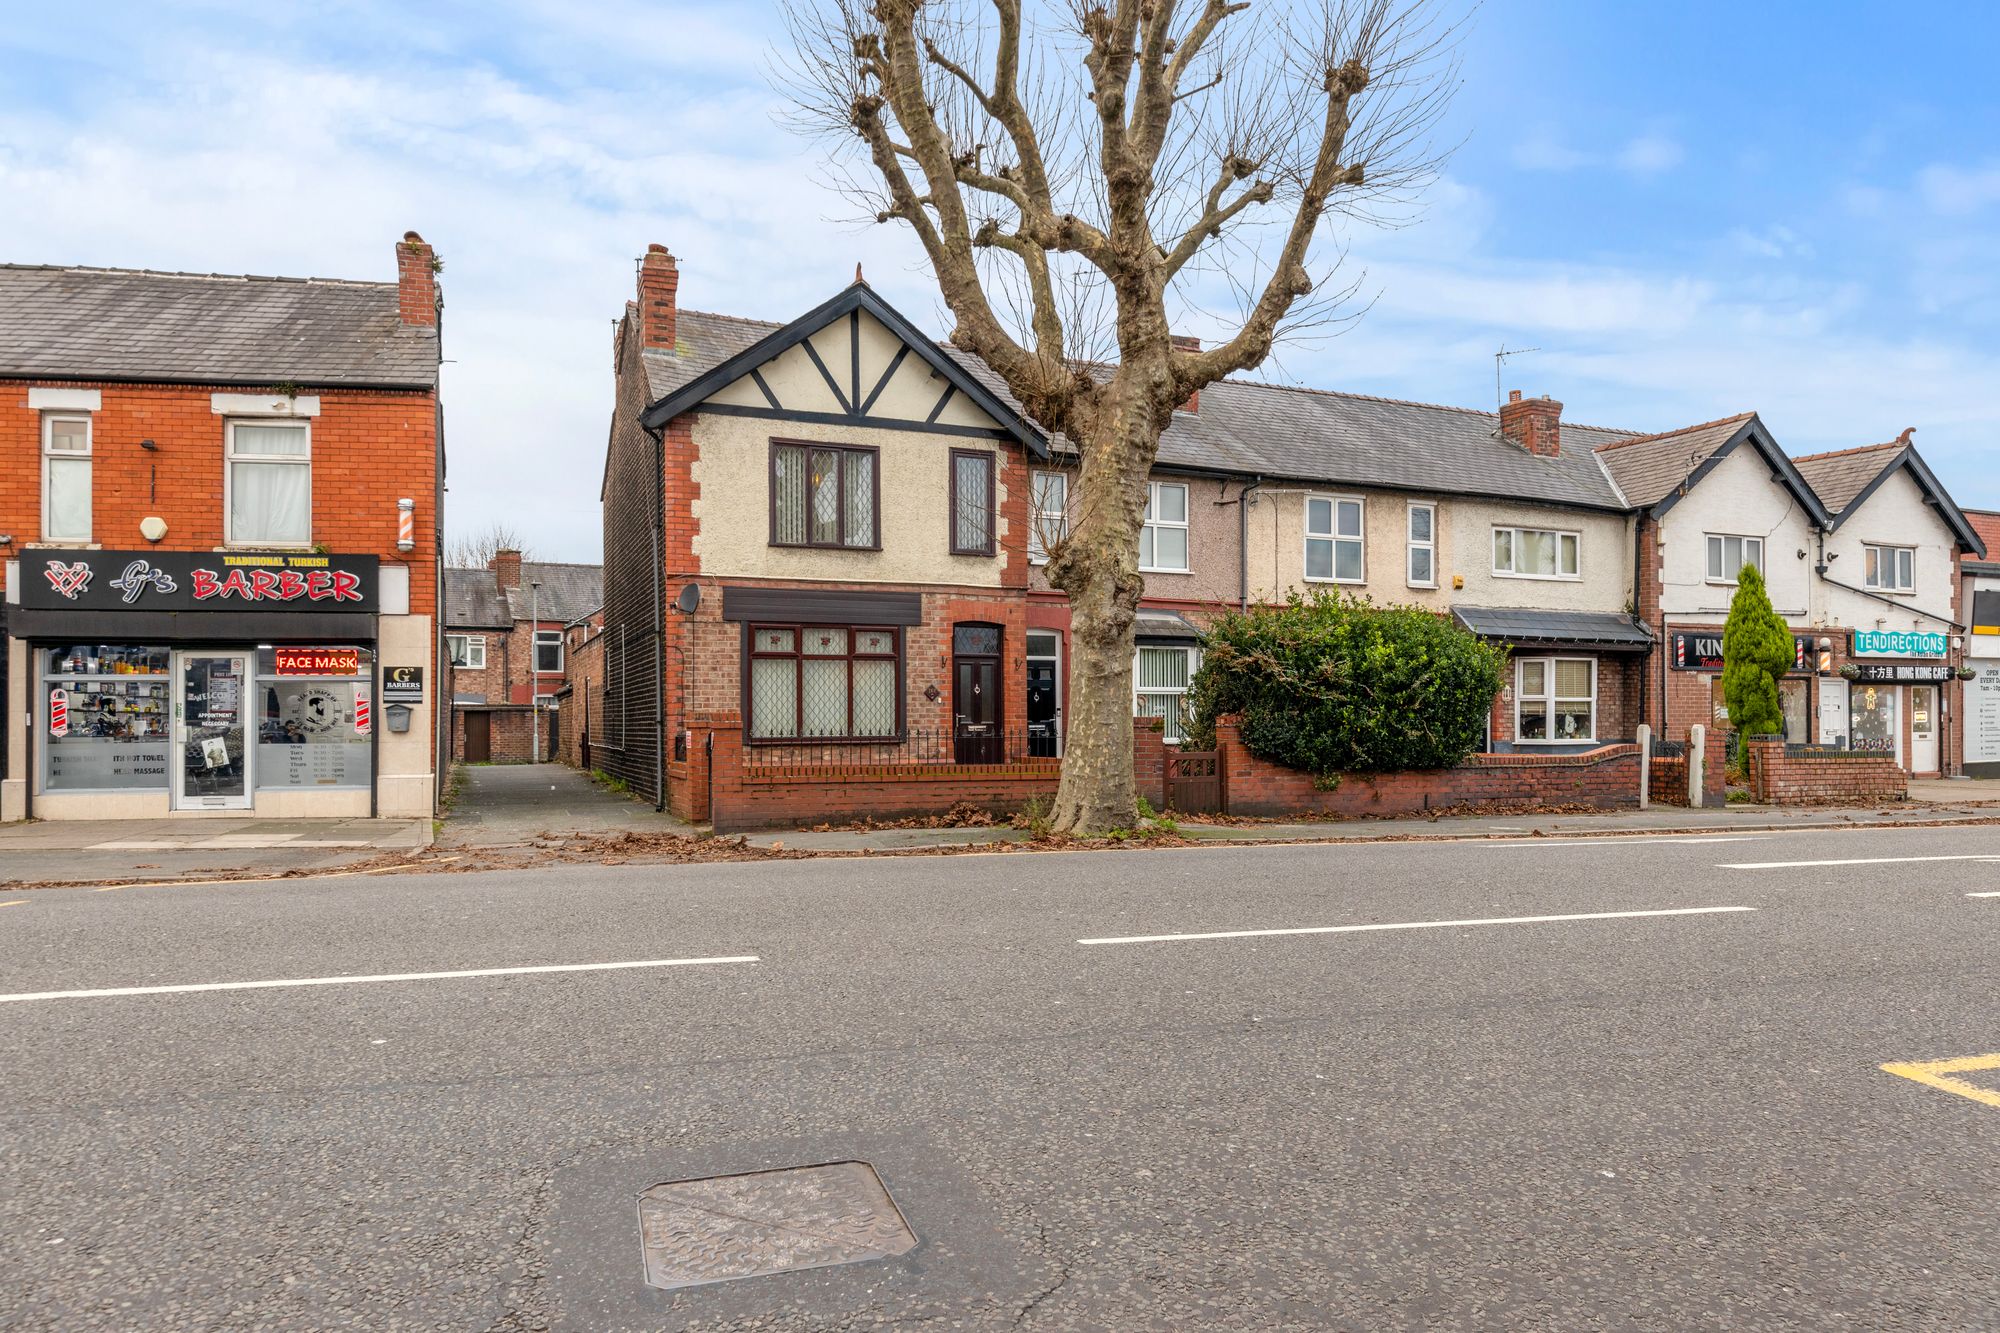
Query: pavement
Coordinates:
[77,849]
[512,805]
[1524,1084]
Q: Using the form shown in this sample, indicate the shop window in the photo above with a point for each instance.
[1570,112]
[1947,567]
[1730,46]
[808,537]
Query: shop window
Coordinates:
[1160,678]
[1333,540]
[1048,524]
[269,483]
[549,652]
[66,479]
[1872,722]
[314,718]
[1555,699]
[1727,556]
[824,682]
[1889,568]
[1422,571]
[468,651]
[1163,540]
[972,502]
[823,495]
[105,718]
[1537,553]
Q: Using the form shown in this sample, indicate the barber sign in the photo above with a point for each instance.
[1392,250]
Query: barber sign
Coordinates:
[58,712]
[360,714]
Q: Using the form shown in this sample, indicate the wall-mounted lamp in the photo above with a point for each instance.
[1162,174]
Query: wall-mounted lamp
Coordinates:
[149,446]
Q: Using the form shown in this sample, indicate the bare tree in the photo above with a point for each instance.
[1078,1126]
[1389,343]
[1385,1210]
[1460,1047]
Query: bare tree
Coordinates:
[475,550]
[1079,172]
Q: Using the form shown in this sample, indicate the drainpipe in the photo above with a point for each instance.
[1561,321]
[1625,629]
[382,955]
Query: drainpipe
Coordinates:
[659,615]
[1242,503]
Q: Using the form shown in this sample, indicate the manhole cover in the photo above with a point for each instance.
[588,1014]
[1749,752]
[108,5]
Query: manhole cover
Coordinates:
[724,1227]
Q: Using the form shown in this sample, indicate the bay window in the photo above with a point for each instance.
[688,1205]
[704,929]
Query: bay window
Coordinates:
[1727,555]
[1555,699]
[972,502]
[824,682]
[1333,540]
[1163,540]
[269,483]
[66,478]
[824,495]
[1536,553]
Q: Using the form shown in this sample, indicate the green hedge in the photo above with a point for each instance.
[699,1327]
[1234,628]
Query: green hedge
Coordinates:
[1331,684]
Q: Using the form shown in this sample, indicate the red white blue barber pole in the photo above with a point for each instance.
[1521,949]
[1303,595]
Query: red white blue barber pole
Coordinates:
[58,712]
[361,714]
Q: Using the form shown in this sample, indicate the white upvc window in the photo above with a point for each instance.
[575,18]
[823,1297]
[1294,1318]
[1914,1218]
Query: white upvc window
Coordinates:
[1555,700]
[1163,541]
[66,478]
[1537,553]
[1048,519]
[468,651]
[1334,525]
[548,651]
[268,483]
[1160,676]
[1728,554]
[1421,562]
[1890,568]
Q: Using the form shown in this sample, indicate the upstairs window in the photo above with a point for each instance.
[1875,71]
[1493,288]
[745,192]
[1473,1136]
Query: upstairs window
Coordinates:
[824,495]
[1333,540]
[972,502]
[468,651]
[1422,571]
[1536,553]
[549,651]
[1727,556]
[1890,568]
[1163,541]
[1048,523]
[269,483]
[65,479]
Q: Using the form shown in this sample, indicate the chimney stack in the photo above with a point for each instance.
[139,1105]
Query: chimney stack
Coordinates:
[1533,423]
[416,281]
[506,567]
[659,281]
[1186,342]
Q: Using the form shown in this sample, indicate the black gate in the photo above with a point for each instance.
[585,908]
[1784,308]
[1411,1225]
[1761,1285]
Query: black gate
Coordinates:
[1194,781]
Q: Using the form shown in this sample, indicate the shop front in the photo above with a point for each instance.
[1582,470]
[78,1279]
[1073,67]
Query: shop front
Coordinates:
[1981,711]
[1696,655]
[1896,690]
[166,683]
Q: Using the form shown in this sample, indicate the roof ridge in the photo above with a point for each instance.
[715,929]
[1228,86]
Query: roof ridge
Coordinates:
[181,273]
[1853,449]
[734,319]
[1398,402]
[1609,445]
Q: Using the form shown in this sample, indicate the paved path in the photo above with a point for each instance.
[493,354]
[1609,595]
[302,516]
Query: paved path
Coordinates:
[511,805]
[1498,1090]
[74,849]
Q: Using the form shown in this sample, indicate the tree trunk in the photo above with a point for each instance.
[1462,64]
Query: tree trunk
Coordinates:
[1098,566]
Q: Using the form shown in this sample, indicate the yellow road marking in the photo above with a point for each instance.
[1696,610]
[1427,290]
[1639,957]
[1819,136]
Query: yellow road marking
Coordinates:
[13,902]
[1937,1074]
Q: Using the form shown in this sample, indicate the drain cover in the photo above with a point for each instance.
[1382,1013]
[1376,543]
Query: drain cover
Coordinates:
[763,1222]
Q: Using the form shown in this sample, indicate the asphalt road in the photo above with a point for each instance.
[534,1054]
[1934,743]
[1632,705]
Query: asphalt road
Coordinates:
[1649,1122]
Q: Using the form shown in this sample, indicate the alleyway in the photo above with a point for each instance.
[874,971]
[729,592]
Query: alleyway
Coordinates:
[506,805]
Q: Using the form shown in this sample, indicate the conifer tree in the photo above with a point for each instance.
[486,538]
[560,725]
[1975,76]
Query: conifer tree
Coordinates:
[1756,651]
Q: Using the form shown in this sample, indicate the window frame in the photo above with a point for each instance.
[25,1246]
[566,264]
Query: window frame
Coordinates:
[1333,536]
[840,543]
[535,646]
[1170,729]
[230,458]
[1575,536]
[1153,488]
[992,501]
[88,458]
[1411,545]
[1551,699]
[466,642]
[1902,557]
[798,656]
[1716,545]
[1038,553]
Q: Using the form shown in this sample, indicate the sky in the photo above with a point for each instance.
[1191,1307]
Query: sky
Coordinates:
[1689,210]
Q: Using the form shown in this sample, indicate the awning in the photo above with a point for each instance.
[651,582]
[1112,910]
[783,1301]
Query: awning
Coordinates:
[1598,631]
[1164,627]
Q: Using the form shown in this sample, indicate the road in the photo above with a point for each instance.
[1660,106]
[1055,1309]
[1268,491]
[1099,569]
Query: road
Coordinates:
[1643,1116]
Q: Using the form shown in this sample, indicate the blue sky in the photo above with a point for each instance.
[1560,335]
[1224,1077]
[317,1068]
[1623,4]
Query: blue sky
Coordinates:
[1690,209]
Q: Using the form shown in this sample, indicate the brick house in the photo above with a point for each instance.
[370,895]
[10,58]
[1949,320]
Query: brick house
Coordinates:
[1979,602]
[579,704]
[507,632]
[219,517]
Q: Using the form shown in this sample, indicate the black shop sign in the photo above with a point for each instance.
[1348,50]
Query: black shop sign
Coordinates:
[1902,673]
[1697,651]
[198,581]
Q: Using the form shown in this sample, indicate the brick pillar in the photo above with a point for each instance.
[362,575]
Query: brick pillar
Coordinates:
[1149,761]
[1764,757]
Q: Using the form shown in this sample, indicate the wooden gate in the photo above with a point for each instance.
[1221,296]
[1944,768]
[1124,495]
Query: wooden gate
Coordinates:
[1194,781]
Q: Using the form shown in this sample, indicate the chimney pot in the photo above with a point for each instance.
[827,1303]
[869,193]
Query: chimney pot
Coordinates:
[1535,423]
[416,281]
[1513,395]
[659,288]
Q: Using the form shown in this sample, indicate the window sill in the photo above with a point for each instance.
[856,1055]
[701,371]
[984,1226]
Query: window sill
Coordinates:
[1562,740]
[1307,578]
[828,546]
[1539,578]
[252,548]
[57,544]
[823,740]
[1428,587]
[1892,592]
[1156,569]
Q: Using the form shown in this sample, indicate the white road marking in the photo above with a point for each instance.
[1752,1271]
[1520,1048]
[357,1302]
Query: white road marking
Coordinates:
[1859,861]
[1412,925]
[359,980]
[1969,895]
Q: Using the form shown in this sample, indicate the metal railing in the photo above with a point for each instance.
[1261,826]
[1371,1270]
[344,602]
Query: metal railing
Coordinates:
[943,745]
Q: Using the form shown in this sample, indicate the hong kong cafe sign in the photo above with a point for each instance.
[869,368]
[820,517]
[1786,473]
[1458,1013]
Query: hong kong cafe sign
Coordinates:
[199,581]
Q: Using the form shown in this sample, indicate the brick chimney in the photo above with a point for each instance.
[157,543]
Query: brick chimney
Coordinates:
[1533,423]
[506,567]
[659,280]
[416,280]
[1186,342]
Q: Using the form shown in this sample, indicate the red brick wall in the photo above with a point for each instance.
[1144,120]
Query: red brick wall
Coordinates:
[1830,777]
[511,730]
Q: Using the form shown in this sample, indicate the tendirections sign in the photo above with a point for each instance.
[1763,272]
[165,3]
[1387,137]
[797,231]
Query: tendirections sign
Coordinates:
[1895,643]
[199,581]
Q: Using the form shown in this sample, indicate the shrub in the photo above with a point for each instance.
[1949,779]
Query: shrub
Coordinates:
[1756,650]
[1331,684]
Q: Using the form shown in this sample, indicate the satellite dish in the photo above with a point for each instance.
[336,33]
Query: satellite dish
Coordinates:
[688,599]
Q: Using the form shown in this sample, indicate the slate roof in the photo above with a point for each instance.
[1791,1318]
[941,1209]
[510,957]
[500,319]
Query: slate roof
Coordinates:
[1602,629]
[1841,475]
[1249,428]
[206,328]
[1647,468]
[474,599]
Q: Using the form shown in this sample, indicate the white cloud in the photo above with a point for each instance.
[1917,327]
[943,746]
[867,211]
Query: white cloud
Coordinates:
[1645,155]
[1959,190]
[1649,155]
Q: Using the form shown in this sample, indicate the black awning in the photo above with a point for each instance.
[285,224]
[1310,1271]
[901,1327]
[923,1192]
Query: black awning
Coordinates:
[1599,631]
[1164,627]
[190,626]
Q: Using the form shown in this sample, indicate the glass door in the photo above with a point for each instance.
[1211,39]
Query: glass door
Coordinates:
[212,766]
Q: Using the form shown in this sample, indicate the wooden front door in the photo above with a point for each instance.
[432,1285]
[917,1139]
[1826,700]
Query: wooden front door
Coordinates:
[478,738]
[975,695]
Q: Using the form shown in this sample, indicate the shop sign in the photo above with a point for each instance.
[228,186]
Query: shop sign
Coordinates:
[1698,651]
[1901,673]
[1982,717]
[403,685]
[1985,638]
[195,581]
[1895,643]
[317,661]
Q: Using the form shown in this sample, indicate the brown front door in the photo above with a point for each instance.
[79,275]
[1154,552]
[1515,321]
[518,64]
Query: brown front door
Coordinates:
[975,695]
[478,738]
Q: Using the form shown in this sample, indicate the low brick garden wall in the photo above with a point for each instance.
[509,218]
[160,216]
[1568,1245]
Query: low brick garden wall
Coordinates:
[1808,775]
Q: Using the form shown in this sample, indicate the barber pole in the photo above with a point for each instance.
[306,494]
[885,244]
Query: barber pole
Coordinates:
[361,714]
[58,712]
[406,525]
